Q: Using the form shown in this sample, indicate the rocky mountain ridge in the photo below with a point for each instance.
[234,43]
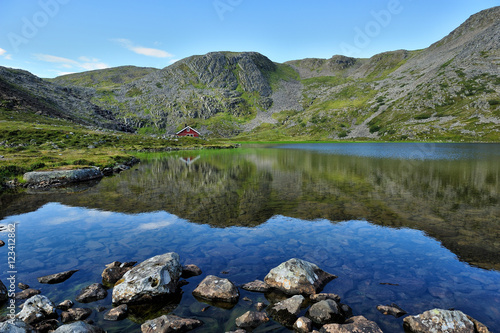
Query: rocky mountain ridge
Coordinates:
[449,91]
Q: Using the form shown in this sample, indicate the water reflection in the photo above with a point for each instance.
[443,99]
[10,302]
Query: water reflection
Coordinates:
[376,265]
[451,193]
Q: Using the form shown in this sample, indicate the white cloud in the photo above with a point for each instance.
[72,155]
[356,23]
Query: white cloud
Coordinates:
[150,52]
[5,55]
[84,63]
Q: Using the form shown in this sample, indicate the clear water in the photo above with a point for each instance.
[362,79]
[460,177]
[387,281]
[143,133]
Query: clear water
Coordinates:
[419,232]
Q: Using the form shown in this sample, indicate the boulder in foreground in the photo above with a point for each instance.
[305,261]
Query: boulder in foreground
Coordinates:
[170,323]
[297,276]
[438,320]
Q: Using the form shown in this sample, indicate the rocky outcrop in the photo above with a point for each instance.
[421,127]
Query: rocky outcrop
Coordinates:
[37,309]
[439,321]
[92,293]
[62,176]
[216,289]
[57,278]
[156,276]
[297,276]
[354,324]
[170,323]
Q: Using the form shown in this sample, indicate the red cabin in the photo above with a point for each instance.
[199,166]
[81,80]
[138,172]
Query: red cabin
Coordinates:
[188,131]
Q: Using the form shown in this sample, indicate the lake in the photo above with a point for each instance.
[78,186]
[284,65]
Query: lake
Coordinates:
[413,224]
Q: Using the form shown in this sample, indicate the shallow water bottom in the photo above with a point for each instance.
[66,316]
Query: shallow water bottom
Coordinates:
[375,265]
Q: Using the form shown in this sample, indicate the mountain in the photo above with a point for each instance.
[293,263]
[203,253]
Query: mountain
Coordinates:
[448,91]
[24,94]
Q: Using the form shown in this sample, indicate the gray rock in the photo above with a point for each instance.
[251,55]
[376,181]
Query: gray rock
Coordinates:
[438,320]
[4,295]
[37,309]
[326,312]
[79,327]
[297,276]
[15,326]
[324,296]
[75,314]
[392,310]
[290,305]
[156,276]
[65,305]
[92,293]
[57,278]
[62,176]
[251,319]
[256,286]
[354,324]
[213,288]
[190,270]
[170,323]
[27,293]
[303,325]
[118,313]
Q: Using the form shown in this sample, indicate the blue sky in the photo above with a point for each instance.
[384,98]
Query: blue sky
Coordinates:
[55,37]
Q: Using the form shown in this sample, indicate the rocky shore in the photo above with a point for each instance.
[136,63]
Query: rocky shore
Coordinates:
[296,283]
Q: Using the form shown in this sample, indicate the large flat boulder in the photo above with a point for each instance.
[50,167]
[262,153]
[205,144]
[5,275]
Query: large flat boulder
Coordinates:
[156,276]
[63,176]
[297,276]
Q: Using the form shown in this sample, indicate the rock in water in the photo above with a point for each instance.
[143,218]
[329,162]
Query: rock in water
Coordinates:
[3,292]
[27,293]
[75,314]
[190,271]
[326,312]
[170,323]
[114,272]
[251,319]
[297,276]
[15,326]
[213,288]
[392,310]
[37,309]
[153,277]
[286,311]
[79,327]
[438,320]
[92,293]
[118,313]
[256,286]
[354,324]
[303,325]
[57,278]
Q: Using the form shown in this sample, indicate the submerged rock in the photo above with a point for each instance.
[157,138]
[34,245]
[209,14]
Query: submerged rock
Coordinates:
[213,288]
[27,293]
[326,312]
[251,319]
[297,276]
[57,278]
[256,286]
[79,327]
[92,293]
[170,323]
[15,326]
[190,271]
[354,324]
[36,309]
[75,314]
[392,310]
[156,276]
[22,286]
[438,320]
[324,296]
[118,313]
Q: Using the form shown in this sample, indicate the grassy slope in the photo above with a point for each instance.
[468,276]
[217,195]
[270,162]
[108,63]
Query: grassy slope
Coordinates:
[30,142]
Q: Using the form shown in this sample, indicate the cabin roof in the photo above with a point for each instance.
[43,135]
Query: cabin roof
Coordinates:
[182,130]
